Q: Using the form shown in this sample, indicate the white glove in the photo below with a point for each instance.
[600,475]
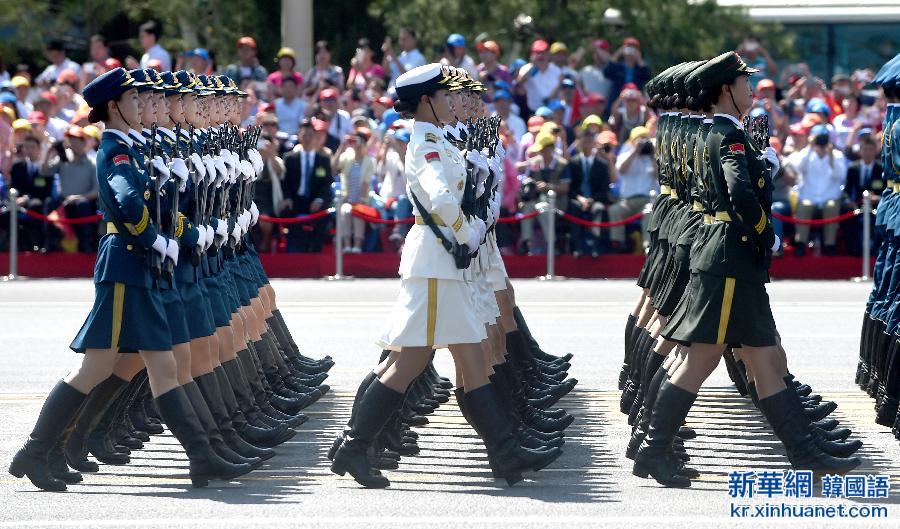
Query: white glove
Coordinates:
[247,170]
[236,232]
[159,245]
[256,160]
[221,171]
[210,163]
[221,232]
[476,235]
[201,238]
[478,159]
[777,244]
[178,168]
[500,151]
[199,168]
[494,204]
[244,220]
[772,157]
[162,172]
[497,167]
[254,214]
[172,250]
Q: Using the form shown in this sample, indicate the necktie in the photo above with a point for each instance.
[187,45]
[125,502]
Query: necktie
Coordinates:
[307,167]
[866,173]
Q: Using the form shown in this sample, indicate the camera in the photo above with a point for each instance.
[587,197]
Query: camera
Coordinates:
[645,147]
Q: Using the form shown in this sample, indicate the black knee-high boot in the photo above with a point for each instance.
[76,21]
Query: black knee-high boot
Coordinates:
[181,419]
[889,388]
[523,326]
[208,423]
[95,406]
[656,456]
[247,420]
[630,325]
[376,406]
[360,391]
[785,414]
[499,434]
[209,387]
[136,411]
[652,365]
[861,363]
[57,412]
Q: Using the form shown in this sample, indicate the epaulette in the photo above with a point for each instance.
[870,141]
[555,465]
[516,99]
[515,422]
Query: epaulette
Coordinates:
[432,137]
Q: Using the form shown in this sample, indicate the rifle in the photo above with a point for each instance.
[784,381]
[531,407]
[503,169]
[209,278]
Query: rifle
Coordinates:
[169,267]
[155,260]
[195,254]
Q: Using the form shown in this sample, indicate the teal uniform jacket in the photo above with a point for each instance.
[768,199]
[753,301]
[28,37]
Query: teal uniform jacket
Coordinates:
[128,313]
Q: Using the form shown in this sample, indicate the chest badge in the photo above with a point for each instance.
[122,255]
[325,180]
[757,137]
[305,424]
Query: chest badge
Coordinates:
[146,194]
[459,186]
[761,182]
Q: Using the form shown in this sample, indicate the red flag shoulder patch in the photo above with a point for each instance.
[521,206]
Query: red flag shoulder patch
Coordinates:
[121,158]
[432,156]
[736,148]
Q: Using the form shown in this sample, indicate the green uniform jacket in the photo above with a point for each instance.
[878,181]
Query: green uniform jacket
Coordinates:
[737,248]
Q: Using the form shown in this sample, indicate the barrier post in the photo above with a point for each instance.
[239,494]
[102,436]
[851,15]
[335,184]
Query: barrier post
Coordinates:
[13,235]
[867,238]
[338,241]
[551,237]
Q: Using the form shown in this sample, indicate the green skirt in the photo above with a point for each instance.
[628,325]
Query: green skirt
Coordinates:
[124,317]
[723,310]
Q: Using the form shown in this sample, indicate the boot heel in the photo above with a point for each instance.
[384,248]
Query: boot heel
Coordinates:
[512,479]
[16,469]
[338,469]
[640,471]
[199,481]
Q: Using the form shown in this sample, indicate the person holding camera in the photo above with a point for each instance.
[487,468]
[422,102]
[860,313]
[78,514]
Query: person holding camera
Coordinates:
[545,170]
[822,172]
[636,166]
[356,168]
[77,188]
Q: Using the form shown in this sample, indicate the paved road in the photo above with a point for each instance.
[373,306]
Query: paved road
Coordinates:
[448,485]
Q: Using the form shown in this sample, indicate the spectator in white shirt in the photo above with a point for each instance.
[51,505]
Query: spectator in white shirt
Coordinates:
[502,108]
[822,171]
[149,35]
[22,87]
[99,52]
[592,78]
[410,57]
[56,54]
[289,108]
[636,167]
[539,79]
[559,55]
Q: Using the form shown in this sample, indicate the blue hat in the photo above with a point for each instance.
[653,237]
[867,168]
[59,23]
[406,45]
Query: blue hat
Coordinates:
[456,40]
[198,52]
[7,97]
[544,112]
[108,86]
[402,135]
[500,84]
[891,77]
[555,104]
[502,94]
[145,81]
[516,64]
[819,130]
[172,86]
[568,83]
[884,72]
[817,106]
[757,112]
[389,117]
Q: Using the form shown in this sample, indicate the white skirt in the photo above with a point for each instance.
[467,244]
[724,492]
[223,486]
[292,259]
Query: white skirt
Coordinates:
[496,270]
[432,313]
[485,302]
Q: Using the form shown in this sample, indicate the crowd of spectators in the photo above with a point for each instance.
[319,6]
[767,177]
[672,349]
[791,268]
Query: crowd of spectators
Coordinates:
[572,122]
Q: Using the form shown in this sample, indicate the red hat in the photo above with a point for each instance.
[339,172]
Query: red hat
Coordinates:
[267,108]
[48,96]
[319,124]
[629,86]
[328,93]
[67,76]
[602,44]
[155,64]
[535,123]
[385,101]
[489,45]
[765,83]
[112,63]
[37,116]
[631,41]
[539,46]
[799,129]
[593,98]
[246,41]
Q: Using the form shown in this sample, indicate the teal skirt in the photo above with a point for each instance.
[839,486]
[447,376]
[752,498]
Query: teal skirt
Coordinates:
[196,311]
[126,318]
[221,311]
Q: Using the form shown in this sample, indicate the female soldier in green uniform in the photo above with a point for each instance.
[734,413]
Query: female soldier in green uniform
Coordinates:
[732,263]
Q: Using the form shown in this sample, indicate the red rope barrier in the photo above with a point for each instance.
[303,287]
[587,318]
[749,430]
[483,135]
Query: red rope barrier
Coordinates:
[817,222]
[589,224]
[518,217]
[296,220]
[63,220]
[379,220]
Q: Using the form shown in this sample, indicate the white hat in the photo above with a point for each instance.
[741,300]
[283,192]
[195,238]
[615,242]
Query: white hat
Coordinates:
[420,80]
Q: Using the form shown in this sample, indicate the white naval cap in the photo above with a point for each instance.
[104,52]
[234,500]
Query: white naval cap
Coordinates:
[420,80]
